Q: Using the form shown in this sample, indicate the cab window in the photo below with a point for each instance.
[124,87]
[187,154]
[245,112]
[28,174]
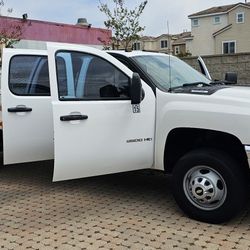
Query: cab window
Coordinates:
[29,75]
[88,77]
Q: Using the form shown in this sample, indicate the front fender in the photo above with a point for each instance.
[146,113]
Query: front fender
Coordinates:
[201,112]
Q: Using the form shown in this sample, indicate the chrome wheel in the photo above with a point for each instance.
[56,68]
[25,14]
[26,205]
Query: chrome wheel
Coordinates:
[205,188]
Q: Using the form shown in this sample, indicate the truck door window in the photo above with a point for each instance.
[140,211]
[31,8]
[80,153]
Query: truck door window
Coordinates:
[89,77]
[40,84]
[29,75]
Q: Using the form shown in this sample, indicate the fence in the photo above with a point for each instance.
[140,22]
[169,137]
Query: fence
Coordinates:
[218,65]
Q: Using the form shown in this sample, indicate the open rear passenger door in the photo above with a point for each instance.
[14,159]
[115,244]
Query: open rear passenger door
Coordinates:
[203,68]
[26,106]
[95,130]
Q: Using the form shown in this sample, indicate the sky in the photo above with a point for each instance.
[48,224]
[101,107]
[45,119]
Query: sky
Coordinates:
[155,16]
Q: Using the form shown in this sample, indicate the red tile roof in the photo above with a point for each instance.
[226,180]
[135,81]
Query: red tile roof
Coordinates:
[56,32]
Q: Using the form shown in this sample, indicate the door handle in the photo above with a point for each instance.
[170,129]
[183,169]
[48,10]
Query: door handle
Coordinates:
[18,109]
[66,118]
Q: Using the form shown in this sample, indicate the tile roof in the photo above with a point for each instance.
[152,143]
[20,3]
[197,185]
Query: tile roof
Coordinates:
[55,32]
[147,38]
[180,38]
[218,9]
[222,30]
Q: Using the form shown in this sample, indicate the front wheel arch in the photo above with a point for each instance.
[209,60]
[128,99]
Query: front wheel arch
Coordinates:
[181,140]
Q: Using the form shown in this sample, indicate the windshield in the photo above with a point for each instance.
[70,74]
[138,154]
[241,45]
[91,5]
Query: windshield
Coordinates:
[166,77]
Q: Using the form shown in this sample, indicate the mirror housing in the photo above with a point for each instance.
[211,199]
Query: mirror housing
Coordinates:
[231,78]
[136,89]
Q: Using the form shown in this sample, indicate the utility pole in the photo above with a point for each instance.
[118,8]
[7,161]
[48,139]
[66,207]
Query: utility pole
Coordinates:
[169,40]
[169,52]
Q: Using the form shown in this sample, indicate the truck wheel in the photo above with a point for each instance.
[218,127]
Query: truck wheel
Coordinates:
[209,186]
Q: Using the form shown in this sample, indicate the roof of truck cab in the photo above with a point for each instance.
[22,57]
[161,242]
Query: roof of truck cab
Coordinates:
[135,53]
[26,51]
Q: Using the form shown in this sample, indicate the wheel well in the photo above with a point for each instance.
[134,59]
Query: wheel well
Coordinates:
[182,140]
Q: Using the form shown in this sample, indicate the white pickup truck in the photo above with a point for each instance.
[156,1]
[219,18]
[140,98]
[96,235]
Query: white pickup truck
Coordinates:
[89,111]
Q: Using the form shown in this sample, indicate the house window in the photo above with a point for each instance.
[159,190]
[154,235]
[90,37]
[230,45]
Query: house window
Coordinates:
[164,44]
[137,46]
[229,47]
[217,20]
[177,50]
[195,22]
[240,17]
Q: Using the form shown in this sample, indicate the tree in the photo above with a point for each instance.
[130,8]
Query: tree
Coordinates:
[123,22]
[10,32]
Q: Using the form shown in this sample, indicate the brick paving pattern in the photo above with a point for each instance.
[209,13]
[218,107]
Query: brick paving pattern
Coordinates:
[130,210]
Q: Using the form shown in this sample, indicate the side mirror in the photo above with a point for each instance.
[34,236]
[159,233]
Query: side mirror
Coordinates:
[136,89]
[231,78]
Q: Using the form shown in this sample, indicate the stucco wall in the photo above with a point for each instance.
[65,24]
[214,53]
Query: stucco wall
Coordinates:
[182,48]
[203,43]
[239,32]
[148,45]
[155,45]
[218,65]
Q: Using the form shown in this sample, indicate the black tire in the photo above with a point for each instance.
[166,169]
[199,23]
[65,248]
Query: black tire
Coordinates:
[231,185]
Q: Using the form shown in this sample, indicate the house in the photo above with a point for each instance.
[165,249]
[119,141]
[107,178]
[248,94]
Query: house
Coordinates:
[179,47]
[161,43]
[34,33]
[220,30]
[174,44]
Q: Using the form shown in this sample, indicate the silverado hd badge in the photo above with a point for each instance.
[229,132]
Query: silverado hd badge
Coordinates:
[140,140]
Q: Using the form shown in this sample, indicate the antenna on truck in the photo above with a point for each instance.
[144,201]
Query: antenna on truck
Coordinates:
[169,59]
